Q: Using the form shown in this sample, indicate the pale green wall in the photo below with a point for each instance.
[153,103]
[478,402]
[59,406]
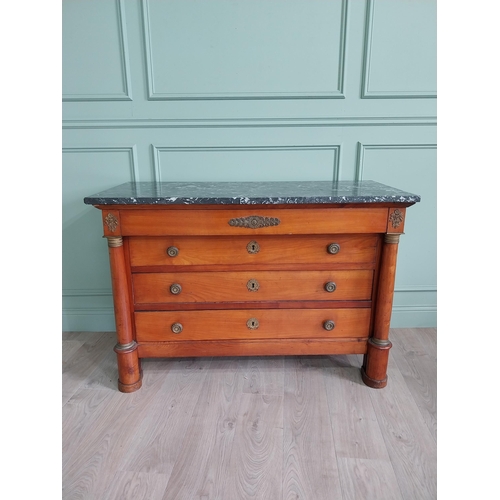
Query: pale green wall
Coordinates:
[247,90]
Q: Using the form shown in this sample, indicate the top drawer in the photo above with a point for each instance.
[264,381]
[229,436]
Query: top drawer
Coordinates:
[259,250]
[214,222]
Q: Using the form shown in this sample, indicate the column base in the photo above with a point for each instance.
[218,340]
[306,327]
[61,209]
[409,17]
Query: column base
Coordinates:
[370,382]
[374,370]
[130,387]
[129,367]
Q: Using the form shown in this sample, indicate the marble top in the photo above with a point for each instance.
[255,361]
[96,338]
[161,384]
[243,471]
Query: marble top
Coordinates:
[250,193]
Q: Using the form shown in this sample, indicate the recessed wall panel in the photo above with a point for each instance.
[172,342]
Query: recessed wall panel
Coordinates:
[85,264]
[244,49]
[94,51]
[400,49]
[412,168]
[220,164]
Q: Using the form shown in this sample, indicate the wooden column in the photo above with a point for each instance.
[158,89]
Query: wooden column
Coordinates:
[129,368]
[374,371]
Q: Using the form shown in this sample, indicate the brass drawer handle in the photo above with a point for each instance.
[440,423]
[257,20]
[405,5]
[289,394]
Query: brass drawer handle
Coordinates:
[253,323]
[333,248]
[177,328]
[253,247]
[329,325]
[253,285]
[175,288]
[172,251]
[330,286]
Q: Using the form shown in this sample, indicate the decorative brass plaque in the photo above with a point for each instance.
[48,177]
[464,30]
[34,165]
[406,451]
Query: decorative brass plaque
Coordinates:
[254,221]
[396,218]
[111,221]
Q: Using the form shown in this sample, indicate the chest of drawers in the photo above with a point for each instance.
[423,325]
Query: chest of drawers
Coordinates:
[252,269]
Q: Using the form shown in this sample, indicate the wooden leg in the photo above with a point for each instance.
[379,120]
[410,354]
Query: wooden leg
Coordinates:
[129,369]
[374,371]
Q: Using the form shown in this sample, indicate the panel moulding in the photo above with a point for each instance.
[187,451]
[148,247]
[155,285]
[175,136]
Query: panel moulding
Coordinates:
[366,93]
[347,121]
[131,150]
[363,147]
[153,95]
[126,77]
[156,150]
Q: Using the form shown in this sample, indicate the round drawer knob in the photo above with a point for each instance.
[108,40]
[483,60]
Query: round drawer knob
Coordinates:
[177,328]
[329,325]
[172,251]
[333,248]
[175,289]
[253,323]
[330,286]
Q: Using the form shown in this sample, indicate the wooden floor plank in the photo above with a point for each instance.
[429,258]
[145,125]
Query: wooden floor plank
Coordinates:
[364,479]
[309,462]
[84,361]
[69,347]
[257,452]
[428,339]
[159,437]
[355,427]
[203,466]
[419,371]
[103,435]
[410,444]
[136,486]
[264,375]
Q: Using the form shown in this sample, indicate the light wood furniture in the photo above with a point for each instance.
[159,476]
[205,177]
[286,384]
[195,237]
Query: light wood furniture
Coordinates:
[248,275]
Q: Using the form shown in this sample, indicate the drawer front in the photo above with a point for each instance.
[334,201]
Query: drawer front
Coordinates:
[229,250]
[209,221]
[252,324]
[157,288]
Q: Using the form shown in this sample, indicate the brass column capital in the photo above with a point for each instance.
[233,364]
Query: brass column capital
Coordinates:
[114,241]
[392,238]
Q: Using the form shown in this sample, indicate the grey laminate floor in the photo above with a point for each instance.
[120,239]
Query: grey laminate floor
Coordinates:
[277,428]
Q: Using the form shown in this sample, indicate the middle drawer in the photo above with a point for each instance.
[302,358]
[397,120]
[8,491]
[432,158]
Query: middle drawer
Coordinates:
[250,286]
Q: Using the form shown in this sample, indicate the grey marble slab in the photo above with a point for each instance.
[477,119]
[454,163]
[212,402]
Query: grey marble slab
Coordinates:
[249,193]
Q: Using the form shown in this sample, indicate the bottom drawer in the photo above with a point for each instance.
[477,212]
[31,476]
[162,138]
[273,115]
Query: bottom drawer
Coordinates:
[162,326]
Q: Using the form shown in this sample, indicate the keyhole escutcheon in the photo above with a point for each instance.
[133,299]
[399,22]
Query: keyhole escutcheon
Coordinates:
[253,285]
[253,323]
[253,247]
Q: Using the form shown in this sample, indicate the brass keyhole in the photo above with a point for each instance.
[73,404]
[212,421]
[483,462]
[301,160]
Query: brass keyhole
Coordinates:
[253,323]
[253,247]
[253,285]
